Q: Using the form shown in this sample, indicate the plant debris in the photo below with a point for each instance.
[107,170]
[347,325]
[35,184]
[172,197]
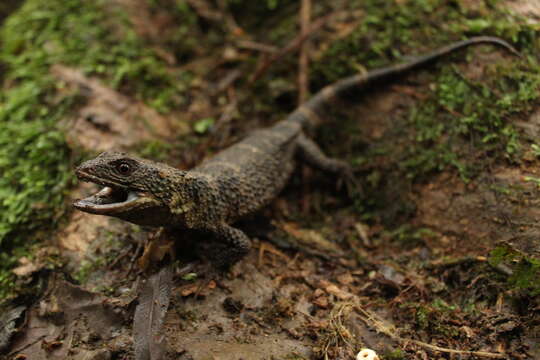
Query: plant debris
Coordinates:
[153,302]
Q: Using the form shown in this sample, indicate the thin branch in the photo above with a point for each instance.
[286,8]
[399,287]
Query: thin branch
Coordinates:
[373,321]
[303,92]
[292,46]
[252,45]
[205,10]
[303,61]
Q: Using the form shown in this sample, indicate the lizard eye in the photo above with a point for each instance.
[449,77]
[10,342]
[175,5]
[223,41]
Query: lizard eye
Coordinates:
[123,168]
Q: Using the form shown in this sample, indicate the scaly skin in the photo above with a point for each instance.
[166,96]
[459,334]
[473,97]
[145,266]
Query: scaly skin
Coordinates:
[237,181]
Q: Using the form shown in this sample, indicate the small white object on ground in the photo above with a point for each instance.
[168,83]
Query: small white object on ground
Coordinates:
[367,354]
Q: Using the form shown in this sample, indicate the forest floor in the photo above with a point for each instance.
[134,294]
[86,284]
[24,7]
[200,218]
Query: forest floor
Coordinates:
[437,258]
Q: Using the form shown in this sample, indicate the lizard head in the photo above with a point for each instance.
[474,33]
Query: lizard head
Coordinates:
[129,190]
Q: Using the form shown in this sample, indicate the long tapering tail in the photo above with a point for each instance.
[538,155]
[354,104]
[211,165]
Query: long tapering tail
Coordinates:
[309,113]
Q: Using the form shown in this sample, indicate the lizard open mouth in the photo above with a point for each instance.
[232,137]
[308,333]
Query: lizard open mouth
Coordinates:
[109,200]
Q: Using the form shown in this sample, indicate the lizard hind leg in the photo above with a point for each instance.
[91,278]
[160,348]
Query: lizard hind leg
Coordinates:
[233,245]
[311,153]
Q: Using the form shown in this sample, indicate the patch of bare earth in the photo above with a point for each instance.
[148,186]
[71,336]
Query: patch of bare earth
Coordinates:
[109,120]
[528,8]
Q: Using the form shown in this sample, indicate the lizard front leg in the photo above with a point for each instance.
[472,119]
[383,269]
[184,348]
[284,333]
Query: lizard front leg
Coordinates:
[234,245]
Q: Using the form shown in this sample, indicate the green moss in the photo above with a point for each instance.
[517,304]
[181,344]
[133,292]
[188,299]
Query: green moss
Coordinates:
[8,6]
[185,39]
[464,120]
[34,157]
[84,271]
[77,32]
[388,31]
[278,17]
[477,111]
[34,162]
[436,318]
[397,354]
[154,149]
[409,236]
[391,30]
[525,270]
[89,268]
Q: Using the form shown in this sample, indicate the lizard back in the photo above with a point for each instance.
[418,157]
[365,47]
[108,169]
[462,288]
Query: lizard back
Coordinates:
[248,174]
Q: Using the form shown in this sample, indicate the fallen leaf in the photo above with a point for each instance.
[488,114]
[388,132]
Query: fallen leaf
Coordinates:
[468,331]
[332,289]
[311,240]
[391,276]
[154,300]
[26,267]
[321,302]
[188,289]
[345,279]
[8,326]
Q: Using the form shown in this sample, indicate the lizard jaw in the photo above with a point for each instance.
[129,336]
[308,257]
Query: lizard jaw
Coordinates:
[109,200]
[115,199]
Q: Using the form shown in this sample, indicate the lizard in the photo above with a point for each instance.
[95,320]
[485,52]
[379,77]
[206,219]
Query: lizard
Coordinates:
[240,179]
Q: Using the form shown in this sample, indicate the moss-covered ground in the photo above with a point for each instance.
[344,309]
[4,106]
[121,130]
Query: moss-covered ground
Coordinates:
[35,161]
[463,120]
[457,122]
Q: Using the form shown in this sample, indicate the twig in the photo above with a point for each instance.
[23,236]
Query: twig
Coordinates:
[452,111]
[136,254]
[27,345]
[266,247]
[460,352]
[408,90]
[293,45]
[227,81]
[303,89]
[230,22]
[204,10]
[119,258]
[337,331]
[371,320]
[252,45]
[305,203]
[222,126]
[303,61]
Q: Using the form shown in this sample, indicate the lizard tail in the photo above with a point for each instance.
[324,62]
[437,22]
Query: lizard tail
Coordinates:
[308,114]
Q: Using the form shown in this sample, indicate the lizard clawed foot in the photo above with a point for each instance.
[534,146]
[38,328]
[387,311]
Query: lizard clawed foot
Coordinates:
[348,179]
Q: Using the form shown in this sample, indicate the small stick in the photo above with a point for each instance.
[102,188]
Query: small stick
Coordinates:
[303,61]
[293,45]
[371,320]
[252,45]
[205,10]
[230,22]
[303,89]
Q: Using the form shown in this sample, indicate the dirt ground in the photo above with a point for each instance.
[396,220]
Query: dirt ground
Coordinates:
[320,287]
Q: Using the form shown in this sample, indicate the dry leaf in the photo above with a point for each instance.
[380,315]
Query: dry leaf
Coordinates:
[26,268]
[154,300]
[8,326]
